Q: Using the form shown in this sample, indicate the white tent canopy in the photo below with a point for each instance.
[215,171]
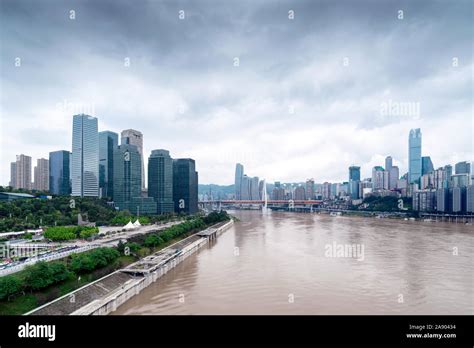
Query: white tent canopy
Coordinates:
[137,223]
[129,226]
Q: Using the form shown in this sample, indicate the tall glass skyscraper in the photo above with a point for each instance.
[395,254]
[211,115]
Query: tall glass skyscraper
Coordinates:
[426,165]
[185,186]
[85,156]
[414,156]
[127,176]
[134,137]
[59,175]
[239,174]
[160,180]
[354,173]
[108,142]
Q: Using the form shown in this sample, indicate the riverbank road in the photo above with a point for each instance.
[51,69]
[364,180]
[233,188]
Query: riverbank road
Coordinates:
[109,236]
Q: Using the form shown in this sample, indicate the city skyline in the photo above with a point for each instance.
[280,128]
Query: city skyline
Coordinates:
[333,103]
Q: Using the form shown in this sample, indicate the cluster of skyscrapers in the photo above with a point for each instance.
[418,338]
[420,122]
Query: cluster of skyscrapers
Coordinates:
[98,166]
[431,190]
[247,188]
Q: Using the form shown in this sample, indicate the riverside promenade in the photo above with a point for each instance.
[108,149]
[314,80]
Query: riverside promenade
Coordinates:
[106,294]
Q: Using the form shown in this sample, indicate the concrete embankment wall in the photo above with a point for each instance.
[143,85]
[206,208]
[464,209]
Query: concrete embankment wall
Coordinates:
[110,301]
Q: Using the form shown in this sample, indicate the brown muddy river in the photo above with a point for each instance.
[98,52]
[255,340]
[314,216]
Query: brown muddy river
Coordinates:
[290,263]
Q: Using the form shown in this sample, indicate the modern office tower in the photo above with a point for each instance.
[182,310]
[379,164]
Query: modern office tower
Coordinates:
[414,156]
[442,200]
[41,175]
[23,172]
[134,137]
[393,175]
[185,186]
[128,179]
[160,180]
[354,189]
[379,178]
[59,174]
[460,180]
[85,156]
[254,192]
[354,173]
[310,192]
[12,182]
[426,165]
[300,194]
[424,200]
[470,199]
[388,162]
[458,199]
[239,173]
[108,142]
[462,167]
[449,170]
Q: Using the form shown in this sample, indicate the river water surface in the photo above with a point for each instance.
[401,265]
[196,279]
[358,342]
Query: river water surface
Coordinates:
[279,263]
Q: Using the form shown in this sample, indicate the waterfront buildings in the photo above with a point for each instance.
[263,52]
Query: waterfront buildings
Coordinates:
[424,200]
[254,189]
[85,156]
[185,186]
[239,173]
[59,172]
[310,193]
[41,175]
[108,142]
[134,137]
[470,199]
[160,180]
[245,188]
[414,156]
[299,193]
[379,178]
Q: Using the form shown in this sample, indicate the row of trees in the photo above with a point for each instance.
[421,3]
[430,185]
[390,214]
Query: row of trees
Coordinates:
[388,203]
[22,214]
[59,233]
[44,274]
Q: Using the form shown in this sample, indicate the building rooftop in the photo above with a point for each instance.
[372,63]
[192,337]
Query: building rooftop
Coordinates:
[14,194]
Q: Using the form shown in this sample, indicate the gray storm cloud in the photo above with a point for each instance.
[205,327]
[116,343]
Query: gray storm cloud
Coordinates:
[308,98]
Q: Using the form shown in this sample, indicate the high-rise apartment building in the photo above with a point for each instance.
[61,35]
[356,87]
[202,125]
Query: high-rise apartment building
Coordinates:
[23,172]
[85,156]
[41,175]
[12,182]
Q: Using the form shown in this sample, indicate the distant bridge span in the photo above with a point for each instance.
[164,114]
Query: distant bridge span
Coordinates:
[270,201]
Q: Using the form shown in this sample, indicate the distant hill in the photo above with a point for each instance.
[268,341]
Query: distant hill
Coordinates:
[217,191]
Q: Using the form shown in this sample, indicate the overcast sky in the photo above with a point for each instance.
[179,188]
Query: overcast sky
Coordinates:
[316,87]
